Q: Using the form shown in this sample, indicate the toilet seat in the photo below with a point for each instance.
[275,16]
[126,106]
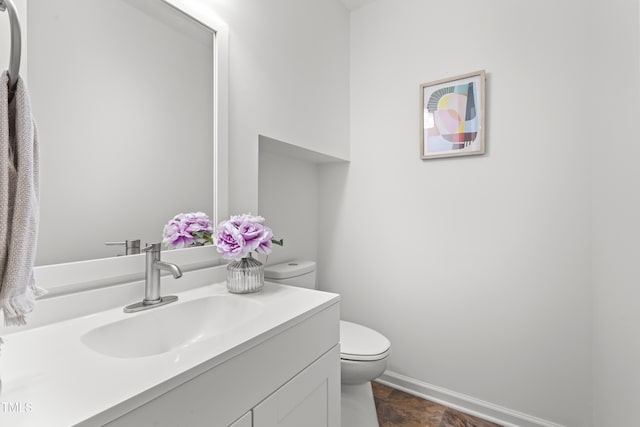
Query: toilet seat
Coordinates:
[359,343]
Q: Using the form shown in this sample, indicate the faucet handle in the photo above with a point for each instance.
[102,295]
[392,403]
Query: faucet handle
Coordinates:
[152,247]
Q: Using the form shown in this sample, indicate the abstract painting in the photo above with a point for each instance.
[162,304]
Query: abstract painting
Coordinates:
[452,113]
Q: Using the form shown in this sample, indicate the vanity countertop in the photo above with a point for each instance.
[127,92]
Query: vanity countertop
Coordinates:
[50,378]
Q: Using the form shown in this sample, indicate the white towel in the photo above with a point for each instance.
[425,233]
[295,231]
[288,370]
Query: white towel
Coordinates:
[19,204]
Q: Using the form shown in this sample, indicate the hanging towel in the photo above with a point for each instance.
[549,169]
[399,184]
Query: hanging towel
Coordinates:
[19,204]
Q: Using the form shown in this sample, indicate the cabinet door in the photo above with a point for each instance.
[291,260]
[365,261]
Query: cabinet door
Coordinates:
[244,421]
[310,399]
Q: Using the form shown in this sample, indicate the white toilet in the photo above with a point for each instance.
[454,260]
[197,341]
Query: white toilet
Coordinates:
[363,351]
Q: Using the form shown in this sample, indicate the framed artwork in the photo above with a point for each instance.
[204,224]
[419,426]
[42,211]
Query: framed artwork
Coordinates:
[452,116]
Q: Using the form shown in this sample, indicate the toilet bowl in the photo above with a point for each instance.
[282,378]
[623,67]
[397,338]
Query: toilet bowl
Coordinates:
[363,351]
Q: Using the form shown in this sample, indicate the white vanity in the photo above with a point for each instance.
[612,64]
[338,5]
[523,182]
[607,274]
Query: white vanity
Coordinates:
[210,359]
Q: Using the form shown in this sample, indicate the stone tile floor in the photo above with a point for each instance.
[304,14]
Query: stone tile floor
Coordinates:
[396,408]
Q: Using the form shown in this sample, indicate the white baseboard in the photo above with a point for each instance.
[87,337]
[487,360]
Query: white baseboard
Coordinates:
[463,403]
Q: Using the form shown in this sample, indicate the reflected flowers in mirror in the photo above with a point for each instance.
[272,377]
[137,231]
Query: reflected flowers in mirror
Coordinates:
[190,229]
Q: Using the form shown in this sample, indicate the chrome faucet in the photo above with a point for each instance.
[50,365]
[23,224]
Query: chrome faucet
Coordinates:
[153,265]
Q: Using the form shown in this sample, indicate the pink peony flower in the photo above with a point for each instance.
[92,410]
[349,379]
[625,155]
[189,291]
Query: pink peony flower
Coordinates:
[241,234]
[229,241]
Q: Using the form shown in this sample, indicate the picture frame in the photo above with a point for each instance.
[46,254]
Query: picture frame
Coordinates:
[452,116]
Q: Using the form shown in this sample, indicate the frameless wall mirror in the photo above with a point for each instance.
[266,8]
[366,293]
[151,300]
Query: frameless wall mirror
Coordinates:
[126,98]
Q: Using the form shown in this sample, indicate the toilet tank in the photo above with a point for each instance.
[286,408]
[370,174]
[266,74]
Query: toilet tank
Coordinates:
[295,273]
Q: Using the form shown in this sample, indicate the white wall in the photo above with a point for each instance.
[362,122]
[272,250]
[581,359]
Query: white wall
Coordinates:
[616,209]
[476,268]
[289,62]
[289,195]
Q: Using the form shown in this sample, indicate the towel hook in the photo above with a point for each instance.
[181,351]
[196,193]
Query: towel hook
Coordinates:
[16,42]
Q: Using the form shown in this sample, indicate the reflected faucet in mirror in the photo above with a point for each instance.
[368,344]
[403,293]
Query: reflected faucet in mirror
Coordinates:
[131,247]
[153,265]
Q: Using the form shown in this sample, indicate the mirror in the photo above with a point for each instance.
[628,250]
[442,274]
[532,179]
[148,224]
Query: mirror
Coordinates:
[123,96]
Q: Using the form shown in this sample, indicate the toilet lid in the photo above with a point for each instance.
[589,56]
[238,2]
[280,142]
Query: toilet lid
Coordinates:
[358,342]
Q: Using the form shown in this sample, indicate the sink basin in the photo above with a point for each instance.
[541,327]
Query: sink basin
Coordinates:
[163,329]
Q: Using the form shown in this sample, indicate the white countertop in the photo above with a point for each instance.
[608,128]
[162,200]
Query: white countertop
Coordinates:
[50,378]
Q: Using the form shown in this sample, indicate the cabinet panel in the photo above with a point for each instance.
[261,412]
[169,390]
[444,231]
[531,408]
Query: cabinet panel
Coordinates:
[310,399]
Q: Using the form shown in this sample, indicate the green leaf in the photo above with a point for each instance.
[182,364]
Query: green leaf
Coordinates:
[278,242]
[203,235]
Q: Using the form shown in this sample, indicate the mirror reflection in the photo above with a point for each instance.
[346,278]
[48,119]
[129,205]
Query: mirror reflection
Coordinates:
[122,93]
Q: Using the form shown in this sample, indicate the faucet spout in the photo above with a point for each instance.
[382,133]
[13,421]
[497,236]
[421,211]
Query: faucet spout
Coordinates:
[171,268]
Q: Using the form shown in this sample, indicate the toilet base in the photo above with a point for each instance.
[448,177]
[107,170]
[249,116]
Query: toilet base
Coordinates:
[358,406]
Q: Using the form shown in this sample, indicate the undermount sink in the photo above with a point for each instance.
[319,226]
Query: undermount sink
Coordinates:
[163,329]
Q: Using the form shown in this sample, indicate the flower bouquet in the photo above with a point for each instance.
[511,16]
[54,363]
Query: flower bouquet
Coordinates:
[235,239]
